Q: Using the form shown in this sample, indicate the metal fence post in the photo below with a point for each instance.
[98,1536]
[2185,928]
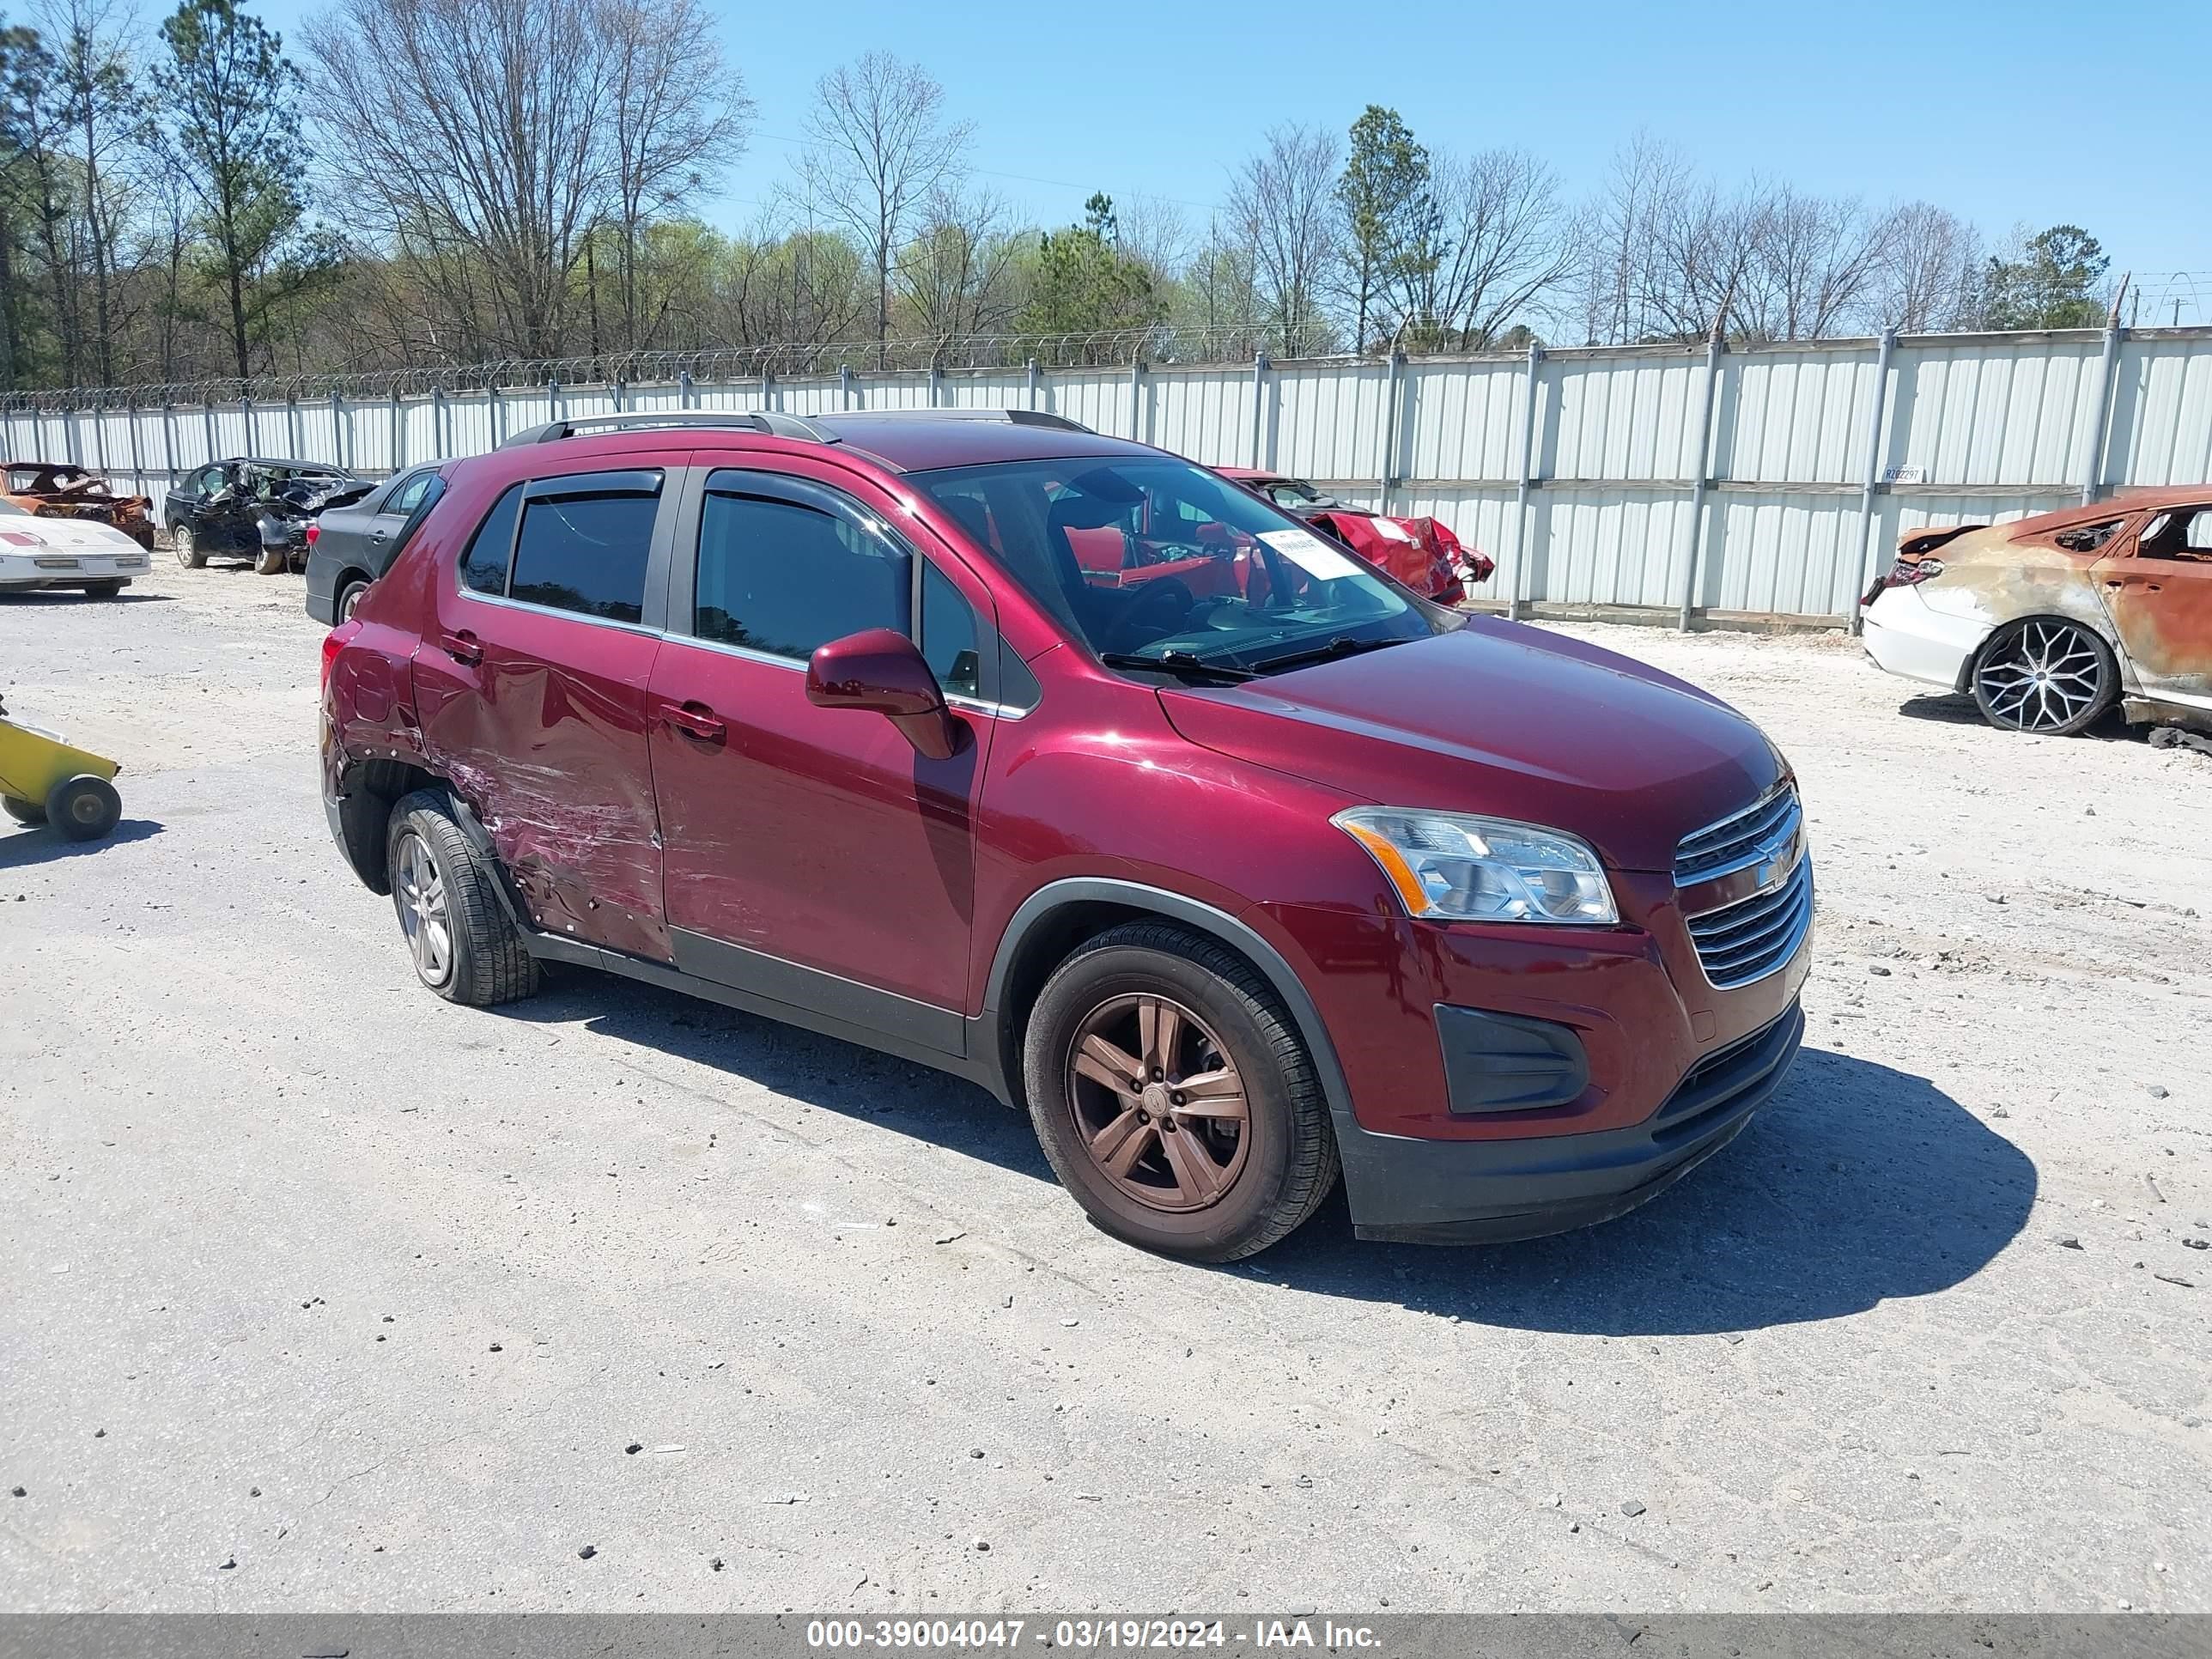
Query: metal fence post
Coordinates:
[1259,407]
[293,436]
[683,388]
[1033,383]
[1136,398]
[844,385]
[207,417]
[437,422]
[99,431]
[399,433]
[768,388]
[1387,471]
[495,408]
[621,389]
[252,425]
[338,427]
[1697,557]
[137,451]
[1517,560]
[936,379]
[1872,481]
[2093,469]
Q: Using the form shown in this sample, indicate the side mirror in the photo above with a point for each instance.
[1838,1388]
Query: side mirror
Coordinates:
[883,672]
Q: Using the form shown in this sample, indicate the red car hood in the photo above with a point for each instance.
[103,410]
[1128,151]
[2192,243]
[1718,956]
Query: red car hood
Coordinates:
[1506,719]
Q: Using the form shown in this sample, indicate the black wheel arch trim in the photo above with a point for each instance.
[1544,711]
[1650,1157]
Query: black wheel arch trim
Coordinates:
[992,1027]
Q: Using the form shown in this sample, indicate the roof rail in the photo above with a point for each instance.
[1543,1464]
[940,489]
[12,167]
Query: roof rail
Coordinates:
[774,425]
[1008,417]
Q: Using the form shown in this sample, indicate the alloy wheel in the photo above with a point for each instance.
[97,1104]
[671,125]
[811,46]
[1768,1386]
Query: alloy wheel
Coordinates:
[422,913]
[1158,1104]
[180,540]
[2046,676]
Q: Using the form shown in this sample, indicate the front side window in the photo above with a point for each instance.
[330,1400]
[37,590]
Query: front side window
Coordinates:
[1149,559]
[782,578]
[948,634]
[2183,533]
[585,554]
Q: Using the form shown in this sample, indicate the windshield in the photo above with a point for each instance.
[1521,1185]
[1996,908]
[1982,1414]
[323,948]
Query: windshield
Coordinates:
[1154,557]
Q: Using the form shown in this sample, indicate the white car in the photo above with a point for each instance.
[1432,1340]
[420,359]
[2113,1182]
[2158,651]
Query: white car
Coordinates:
[37,551]
[2050,621]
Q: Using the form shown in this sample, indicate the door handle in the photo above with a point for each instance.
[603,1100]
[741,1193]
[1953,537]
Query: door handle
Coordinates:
[697,719]
[461,645]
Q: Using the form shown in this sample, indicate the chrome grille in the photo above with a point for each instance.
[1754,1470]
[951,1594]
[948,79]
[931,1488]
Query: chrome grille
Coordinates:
[1734,843]
[1753,937]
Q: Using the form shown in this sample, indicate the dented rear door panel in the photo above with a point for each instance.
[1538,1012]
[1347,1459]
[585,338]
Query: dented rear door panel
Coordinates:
[2160,605]
[539,721]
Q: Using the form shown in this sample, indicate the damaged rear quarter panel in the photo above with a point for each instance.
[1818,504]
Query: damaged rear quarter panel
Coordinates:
[1992,578]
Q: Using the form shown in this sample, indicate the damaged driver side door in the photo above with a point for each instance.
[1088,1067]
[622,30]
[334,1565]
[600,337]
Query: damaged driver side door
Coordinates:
[531,692]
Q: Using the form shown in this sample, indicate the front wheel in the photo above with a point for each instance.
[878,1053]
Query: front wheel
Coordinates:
[274,561]
[2046,676]
[1174,1096]
[186,546]
[463,943]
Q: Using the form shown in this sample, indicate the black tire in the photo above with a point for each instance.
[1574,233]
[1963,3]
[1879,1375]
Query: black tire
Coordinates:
[186,546]
[2080,679]
[273,561]
[23,812]
[1280,1175]
[483,962]
[104,589]
[350,592]
[84,808]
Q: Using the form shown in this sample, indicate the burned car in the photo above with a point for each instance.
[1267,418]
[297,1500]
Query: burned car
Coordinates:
[61,489]
[254,510]
[2050,621]
[1423,553]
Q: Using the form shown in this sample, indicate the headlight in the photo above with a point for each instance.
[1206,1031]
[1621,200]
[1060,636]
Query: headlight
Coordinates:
[1454,866]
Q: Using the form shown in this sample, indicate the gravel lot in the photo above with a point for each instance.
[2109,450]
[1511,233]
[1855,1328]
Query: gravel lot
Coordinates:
[321,1293]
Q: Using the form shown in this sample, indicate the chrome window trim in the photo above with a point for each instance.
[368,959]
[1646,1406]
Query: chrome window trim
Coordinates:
[798,664]
[501,599]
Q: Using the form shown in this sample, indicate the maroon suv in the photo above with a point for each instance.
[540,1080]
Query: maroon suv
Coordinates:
[1235,862]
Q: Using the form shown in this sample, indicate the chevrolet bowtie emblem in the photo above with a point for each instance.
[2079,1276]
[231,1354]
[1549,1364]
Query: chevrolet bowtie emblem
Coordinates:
[1777,859]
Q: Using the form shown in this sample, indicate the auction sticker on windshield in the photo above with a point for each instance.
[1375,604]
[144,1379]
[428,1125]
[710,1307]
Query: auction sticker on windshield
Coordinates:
[1310,553]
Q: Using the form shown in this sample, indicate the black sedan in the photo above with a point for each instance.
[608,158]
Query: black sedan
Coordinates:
[351,546]
[251,508]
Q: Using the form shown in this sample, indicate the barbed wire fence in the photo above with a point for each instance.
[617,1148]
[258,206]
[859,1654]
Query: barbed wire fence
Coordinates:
[1162,345]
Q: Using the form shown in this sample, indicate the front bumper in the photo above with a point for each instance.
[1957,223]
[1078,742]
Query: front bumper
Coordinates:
[1497,1191]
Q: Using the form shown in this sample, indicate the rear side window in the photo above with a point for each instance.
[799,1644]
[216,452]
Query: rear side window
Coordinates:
[585,554]
[776,577]
[410,494]
[483,567]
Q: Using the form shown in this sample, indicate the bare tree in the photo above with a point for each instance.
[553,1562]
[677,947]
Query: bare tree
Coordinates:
[1815,261]
[477,132]
[1493,247]
[1217,288]
[1618,244]
[678,115]
[1930,274]
[879,148]
[1155,232]
[1282,201]
[954,277]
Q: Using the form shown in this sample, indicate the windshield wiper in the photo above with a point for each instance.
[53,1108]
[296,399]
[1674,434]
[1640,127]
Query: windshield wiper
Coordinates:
[1342,646]
[1185,663]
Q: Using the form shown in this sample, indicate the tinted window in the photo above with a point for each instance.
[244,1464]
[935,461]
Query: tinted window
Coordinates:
[784,578]
[585,554]
[483,567]
[948,634]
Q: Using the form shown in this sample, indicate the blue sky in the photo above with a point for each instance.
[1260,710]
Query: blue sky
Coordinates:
[2003,112]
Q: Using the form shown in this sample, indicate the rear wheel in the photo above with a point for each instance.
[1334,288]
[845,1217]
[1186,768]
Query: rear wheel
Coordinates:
[84,808]
[104,589]
[186,546]
[463,945]
[23,812]
[1174,1098]
[273,561]
[349,596]
[2047,676]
